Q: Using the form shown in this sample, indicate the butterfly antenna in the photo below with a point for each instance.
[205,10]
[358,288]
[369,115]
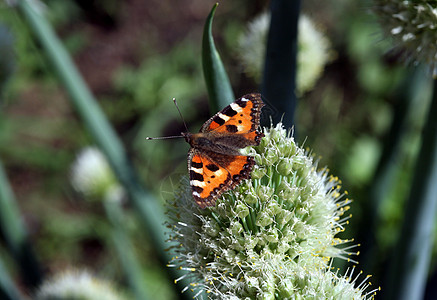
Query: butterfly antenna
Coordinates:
[177,107]
[173,136]
[164,137]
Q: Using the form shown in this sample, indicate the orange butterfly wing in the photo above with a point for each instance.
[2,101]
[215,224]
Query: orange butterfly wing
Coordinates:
[241,117]
[209,180]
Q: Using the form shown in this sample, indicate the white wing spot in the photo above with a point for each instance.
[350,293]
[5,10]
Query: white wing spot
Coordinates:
[196,194]
[198,183]
[244,99]
[236,107]
[197,170]
[224,117]
[240,128]
[219,172]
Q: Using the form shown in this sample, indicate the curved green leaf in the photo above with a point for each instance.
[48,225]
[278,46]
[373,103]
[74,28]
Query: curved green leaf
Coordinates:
[217,80]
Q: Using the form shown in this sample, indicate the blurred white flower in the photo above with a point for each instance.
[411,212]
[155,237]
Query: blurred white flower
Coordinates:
[92,176]
[252,46]
[77,285]
[314,51]
[412,25]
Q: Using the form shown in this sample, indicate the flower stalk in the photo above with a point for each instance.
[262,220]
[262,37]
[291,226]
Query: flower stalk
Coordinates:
[411,260]
[8,289]
[279,76]
[15,234]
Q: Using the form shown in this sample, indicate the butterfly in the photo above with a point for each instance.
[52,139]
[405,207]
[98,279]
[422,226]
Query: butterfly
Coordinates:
[215,164]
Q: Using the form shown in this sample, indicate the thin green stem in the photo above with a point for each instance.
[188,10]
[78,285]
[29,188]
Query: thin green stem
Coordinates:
[8,290]
[253,221]
[217,219]
[412,257]
[279,78]
[245,225]
[125,251]
[15,234]
[388,166]
[151,214]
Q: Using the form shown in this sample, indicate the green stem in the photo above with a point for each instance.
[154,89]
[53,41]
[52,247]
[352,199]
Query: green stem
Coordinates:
[244,223]
[8,290]
[216,79]
[410,266]
[279,78]
[7,57]
[15,234]
[125,251]
[387,168]
[151,214]
[252,221]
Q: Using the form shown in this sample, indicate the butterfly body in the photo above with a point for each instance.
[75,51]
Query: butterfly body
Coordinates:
[215,163]
[225,144]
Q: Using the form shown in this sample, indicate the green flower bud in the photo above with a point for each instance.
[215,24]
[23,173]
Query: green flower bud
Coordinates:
[236,228]
[250,242]
[211,228]
[284,217]
[263,219]
[273,208]
[285,166]
[271,235]
[251,198]
[258,173]
[264,193]
[271,156]
[241,211]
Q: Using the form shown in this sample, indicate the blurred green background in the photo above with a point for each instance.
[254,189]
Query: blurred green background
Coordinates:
[136,56]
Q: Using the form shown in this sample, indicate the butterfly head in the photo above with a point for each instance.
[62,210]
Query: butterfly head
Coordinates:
[194,139]
[187,136]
